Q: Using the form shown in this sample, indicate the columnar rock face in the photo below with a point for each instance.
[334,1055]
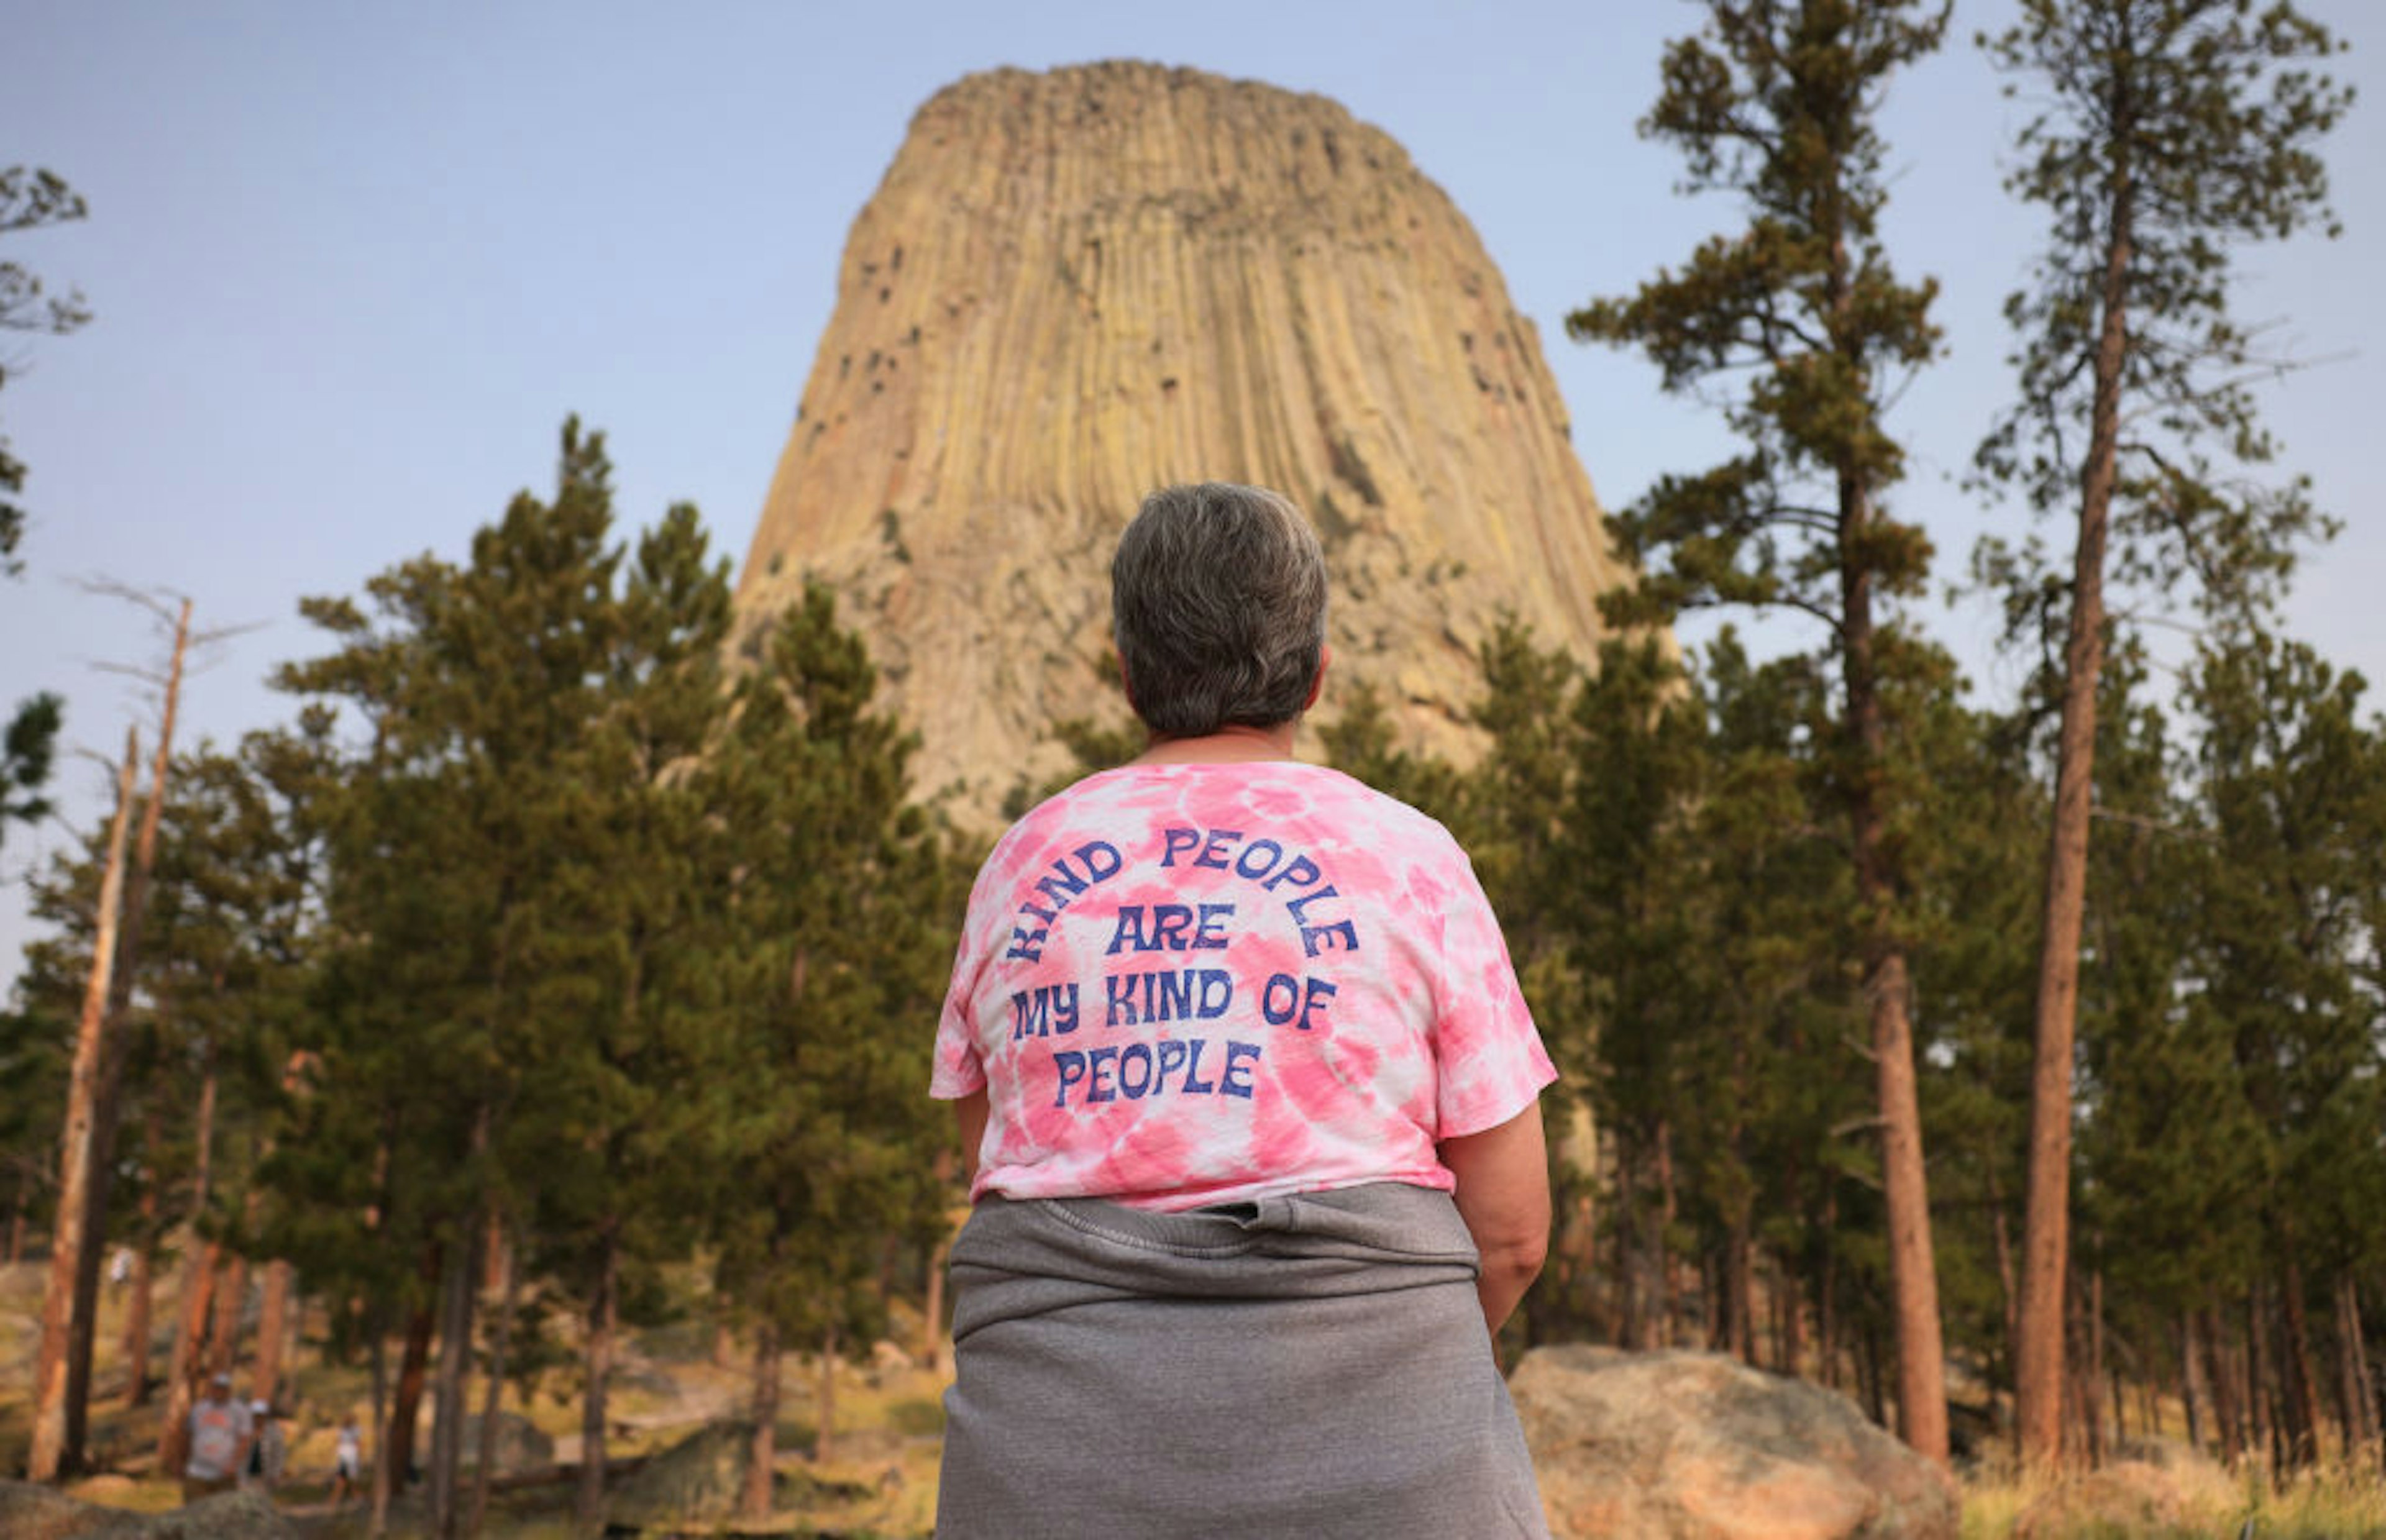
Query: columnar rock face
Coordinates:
[1075,286]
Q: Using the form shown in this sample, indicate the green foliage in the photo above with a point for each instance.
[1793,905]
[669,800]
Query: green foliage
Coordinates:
[29,200]
[1774,103]
[829,966]
[26,754]
[2173,131]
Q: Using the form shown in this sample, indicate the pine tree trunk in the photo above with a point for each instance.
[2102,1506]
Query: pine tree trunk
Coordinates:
[1664,1248]
[2192,1392]
[272,1330]
[588,1505]
[2295,1376]
[2046,1228]
[190,1341]
[145,1266]
[2353,1367]
[232,1300]
[1913,1265]
[2227,1406]
[932,1311]
[134,1344]
[824,1400]
[1739,1308]
[456,1299]
[494,1402]
[762,1456]
[70,1234]
[379,1504]
[2260,1393]
[1826,1288]
[413,1369]
[1631,1324]
[111,1072]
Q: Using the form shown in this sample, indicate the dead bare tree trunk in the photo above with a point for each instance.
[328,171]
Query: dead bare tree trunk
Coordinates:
[104,1102]
[762,1456]
[71,1236]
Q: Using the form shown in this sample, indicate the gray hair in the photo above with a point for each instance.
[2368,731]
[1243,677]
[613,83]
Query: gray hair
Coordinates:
[1218,607]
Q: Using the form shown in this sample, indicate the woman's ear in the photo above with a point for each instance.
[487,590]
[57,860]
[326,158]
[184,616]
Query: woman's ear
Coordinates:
[1317,686]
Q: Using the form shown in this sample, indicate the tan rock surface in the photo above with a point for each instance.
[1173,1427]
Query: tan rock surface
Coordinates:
[1677,1445]
[1073,286]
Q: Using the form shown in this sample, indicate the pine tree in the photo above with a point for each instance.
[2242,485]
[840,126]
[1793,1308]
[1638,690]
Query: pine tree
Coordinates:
[1776,102]
[2174,129]
[842,898]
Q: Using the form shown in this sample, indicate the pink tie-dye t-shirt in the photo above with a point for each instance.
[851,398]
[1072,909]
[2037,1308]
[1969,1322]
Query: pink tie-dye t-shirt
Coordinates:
[1191,985]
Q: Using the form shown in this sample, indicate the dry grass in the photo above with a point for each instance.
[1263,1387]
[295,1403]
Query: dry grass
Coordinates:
[2330,1502]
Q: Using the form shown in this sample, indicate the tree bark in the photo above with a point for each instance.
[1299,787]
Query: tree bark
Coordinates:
[588,1505]
[2227,1414]
[2046,1228]
[2191,1393]
[494,1401]
[2297,1378]
[190,1341]
[824,1399]
[2353,1371]
[111,1073]
[381,1481]
[763,1454]
[272,1330]
[198,1280]
[413,1367]
[456,1297]
[70,1234]
[145,1261]
[232,1300]
[1632,1330]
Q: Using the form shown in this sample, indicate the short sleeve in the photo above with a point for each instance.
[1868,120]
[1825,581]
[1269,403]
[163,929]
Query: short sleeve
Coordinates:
[958,1072]
[1488,1061]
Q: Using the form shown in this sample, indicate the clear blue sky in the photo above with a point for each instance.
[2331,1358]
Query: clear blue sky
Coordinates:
[354,264]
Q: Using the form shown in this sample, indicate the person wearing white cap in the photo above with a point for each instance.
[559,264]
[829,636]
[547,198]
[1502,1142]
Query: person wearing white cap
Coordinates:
[221,1431]
[262,1468]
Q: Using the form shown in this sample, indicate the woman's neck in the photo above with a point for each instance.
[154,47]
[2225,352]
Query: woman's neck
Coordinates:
[1230,744]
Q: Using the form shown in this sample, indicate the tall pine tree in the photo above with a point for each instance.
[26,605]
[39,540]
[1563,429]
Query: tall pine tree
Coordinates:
[1776,102]
[2174,130]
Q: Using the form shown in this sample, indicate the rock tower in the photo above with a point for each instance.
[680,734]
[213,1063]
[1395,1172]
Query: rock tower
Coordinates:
[1075,286]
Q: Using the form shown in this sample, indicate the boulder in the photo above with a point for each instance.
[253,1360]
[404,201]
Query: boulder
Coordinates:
[702,1478]
[521,1445]
[31,1513]
[1700,1446]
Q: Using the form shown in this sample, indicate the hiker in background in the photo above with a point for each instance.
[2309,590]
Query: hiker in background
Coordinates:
[221,1431]
[262,1469]
[348,1462]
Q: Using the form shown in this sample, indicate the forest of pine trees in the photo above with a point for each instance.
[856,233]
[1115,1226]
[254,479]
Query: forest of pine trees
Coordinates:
[2017,1066]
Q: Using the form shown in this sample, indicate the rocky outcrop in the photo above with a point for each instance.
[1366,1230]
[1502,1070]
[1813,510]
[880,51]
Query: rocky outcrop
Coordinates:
[1073,286]
[1699,1447]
